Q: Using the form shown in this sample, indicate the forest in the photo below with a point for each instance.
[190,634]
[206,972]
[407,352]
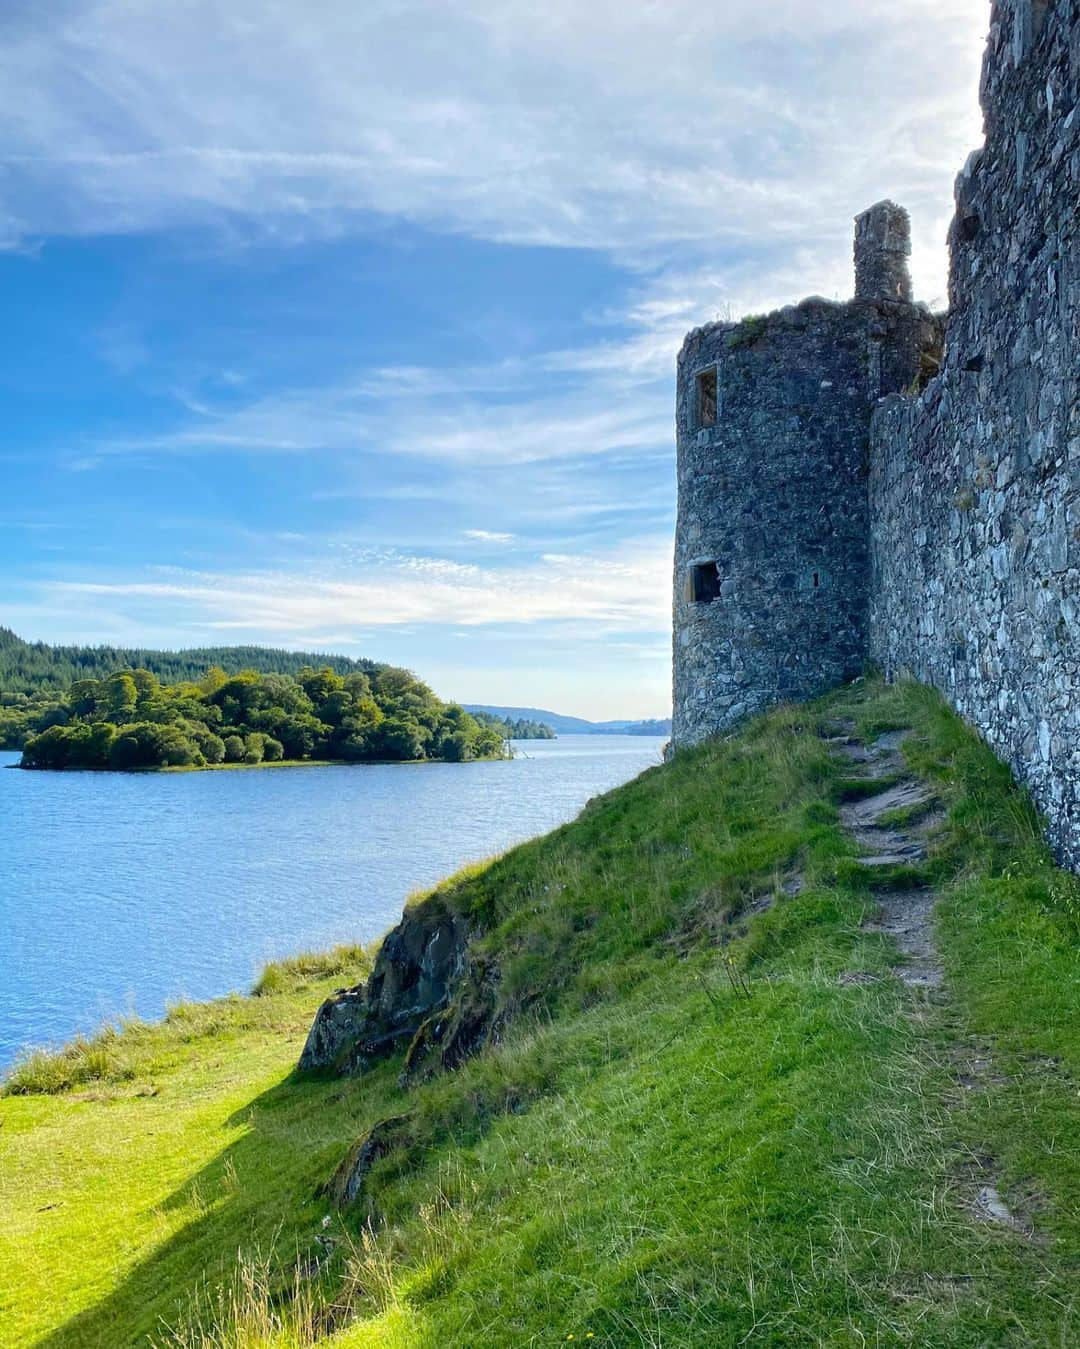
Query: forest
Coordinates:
[131,720]
[33,667]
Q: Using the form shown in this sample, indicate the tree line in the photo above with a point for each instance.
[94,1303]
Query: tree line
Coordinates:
[130,719]
[516,728]
[32,667]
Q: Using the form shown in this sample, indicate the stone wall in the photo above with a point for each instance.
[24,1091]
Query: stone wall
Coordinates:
[974,489]
[772,541]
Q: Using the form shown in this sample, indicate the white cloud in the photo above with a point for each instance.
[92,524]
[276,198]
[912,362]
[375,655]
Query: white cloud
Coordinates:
[617,125]
[488,536]
[443,415]
[623,591]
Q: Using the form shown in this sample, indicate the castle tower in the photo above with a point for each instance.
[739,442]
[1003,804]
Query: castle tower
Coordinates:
[882,249]
[771,549]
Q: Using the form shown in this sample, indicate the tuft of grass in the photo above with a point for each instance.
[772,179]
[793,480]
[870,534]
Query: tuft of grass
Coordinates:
[350,961]
[102,1058]
[251,1310]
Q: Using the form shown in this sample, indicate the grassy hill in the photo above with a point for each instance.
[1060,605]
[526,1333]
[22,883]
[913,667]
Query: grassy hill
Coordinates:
[721,1106]
[29,667]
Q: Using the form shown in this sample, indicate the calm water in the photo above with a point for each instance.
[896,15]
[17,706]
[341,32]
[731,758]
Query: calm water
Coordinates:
[120,893]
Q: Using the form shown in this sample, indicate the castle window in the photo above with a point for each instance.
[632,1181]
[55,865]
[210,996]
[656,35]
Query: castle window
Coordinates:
[968,227]
[704,582]
[706,398]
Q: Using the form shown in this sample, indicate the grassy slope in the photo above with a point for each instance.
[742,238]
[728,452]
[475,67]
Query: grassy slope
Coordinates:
[652,1156]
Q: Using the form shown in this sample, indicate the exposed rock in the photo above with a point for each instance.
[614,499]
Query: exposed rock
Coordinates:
[457,1032]
[419,966]
[905,915]
[388,1135]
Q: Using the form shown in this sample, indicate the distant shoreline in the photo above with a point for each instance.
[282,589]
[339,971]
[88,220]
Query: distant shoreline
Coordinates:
[273,763]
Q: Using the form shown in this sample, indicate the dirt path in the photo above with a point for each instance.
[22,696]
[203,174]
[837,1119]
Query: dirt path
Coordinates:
[891,827]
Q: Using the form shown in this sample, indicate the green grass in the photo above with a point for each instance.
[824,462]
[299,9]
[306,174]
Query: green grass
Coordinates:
[691,1132]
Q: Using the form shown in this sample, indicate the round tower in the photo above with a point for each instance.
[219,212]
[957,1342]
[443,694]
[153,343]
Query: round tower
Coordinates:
[772,539]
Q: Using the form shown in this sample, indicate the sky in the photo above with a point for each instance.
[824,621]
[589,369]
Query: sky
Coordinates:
[352,327]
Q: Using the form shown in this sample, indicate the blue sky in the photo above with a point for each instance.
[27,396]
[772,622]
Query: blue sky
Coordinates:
[353,327]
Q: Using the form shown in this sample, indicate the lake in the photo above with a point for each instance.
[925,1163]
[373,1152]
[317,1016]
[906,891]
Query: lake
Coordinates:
[120,893]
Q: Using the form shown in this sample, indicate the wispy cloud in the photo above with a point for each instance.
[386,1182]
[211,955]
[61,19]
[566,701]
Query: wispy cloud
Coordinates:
[488,536]
[623,591]
[615,126]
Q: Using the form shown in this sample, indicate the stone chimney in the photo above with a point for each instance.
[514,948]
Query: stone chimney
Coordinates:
[882,249]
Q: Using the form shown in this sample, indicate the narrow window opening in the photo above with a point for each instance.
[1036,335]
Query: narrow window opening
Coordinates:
[706,398]
[704,582]
[968,228]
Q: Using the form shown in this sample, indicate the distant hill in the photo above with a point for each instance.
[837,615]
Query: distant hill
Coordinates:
[34,667]
[562,725]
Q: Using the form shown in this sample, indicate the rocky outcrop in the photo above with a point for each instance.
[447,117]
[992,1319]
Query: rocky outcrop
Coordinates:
[429,994]
[387,1136]
[420,966]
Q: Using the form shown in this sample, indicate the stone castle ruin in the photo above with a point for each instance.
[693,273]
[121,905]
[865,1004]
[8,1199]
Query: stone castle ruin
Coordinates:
[868,483]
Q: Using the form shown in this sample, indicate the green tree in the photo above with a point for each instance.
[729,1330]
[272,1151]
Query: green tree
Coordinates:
[83,696]
[145,744]
[212,680]
[358,686]
[397,738]
[300,736]
[211,747]
[146,685]
[119,698]
[234,749]
[238,698]
[319,684]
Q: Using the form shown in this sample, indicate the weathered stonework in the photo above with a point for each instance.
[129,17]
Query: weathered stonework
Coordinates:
[772,494]
[943,525]
[975,485]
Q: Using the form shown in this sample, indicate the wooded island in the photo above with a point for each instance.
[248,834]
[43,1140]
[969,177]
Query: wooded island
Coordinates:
[131,720]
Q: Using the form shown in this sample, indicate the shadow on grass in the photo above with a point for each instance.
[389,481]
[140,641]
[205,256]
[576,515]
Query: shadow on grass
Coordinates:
[258,1194]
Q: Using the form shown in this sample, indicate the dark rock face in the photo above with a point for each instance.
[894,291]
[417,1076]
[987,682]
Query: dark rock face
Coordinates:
[457,1031]
[975,485]
[420,964]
